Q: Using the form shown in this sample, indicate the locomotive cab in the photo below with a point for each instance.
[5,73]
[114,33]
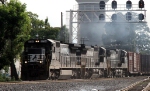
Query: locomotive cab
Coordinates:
[36,57]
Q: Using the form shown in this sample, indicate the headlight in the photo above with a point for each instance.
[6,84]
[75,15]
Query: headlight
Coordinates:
[25,62]
[41,61]
[37,41]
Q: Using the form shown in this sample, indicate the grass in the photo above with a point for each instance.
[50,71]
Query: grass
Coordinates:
[5,78]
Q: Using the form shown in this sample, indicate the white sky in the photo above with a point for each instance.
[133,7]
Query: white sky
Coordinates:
[50,8]
[53,8]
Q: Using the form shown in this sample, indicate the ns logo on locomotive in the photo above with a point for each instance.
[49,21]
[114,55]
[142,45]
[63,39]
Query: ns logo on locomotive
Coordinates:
[51,59]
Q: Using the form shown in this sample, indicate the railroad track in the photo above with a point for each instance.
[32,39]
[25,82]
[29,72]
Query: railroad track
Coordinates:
[101,84]
[49,81]
[137,86]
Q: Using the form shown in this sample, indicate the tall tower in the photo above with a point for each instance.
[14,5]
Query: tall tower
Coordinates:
[89,29]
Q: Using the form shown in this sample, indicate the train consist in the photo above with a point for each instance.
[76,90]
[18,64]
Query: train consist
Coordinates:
[51,59]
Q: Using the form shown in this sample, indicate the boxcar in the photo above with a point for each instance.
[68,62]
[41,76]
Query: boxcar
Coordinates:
[145,65]
[133,63]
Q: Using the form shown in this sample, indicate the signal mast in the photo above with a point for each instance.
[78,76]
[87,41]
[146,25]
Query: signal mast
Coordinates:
[88,14]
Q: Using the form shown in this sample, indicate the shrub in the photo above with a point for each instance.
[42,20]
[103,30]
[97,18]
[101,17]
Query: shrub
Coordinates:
[13,79]
[4,78]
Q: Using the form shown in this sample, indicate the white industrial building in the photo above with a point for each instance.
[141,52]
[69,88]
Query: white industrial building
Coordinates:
[84,22]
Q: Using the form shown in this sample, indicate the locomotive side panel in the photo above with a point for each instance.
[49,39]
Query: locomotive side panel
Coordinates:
[64,56]
[55,64]
[102,58]
[123,59]
[114,58]
[125,64]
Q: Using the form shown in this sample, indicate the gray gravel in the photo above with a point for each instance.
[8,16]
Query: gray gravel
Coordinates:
[90,85]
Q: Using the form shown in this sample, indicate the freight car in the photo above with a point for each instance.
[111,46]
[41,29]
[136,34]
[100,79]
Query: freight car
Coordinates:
[144,64]
[133,64]
[138,64]
[51,59]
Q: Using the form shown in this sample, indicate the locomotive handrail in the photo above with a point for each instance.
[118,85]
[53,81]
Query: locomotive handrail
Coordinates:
[78,56]
[72,61]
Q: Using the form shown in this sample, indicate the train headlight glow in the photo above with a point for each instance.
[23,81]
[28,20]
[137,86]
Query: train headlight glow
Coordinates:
[25,62]
[41,61]
[37,41]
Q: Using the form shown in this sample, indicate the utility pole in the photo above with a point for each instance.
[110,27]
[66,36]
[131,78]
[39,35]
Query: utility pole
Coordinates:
[61,19]
[62,32]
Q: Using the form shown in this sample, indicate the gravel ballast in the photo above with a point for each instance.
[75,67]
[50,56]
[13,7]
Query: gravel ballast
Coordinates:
[72,85]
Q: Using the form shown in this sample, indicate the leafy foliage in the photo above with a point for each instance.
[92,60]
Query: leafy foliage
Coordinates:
[42,28]
[17,26]
[15,29]
[4,77]
[63,34]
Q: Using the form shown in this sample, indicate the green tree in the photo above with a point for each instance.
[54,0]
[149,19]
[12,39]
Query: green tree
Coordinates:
[15,28]
[42,28]
[47,25]
[63,34]
[129,36]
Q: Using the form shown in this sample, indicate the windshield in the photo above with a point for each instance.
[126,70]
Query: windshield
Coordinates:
[36,51]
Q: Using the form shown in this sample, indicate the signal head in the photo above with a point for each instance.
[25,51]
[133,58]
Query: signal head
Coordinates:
[141,16]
